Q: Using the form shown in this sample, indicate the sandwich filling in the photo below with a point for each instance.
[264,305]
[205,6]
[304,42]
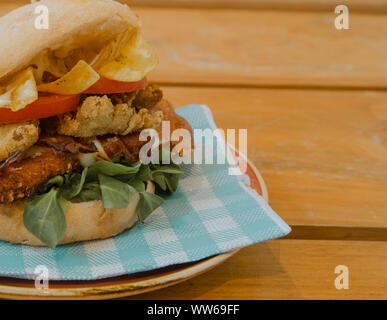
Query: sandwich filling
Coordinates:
[69,132]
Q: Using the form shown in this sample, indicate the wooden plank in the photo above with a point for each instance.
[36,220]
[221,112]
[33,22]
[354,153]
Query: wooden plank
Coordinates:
[376,6]
[322,153]
[349,233]
[265,48]
[290,269]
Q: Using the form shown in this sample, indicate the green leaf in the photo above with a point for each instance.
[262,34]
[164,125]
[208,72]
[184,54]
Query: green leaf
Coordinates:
[110,169]
[166,182]
[160,180]
[56,181]
[117,158]
[166,176]
[137,184]
[148,203]
[64,203]
[145,173]
[130,164]
[120,159]
[74,185]
[90,192]
[44,217]
[173,182]
[111,182]
[126,178]
[115,194]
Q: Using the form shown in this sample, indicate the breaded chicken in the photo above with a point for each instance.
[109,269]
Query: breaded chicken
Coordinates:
[144,98]
[17,137]
[23,178]
[98,116]
[147,97]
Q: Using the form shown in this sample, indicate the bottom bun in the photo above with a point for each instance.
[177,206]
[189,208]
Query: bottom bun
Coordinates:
[85,221]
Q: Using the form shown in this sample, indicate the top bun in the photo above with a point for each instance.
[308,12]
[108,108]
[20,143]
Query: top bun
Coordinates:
[72,24]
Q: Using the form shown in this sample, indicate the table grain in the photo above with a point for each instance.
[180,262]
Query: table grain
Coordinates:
[314,102]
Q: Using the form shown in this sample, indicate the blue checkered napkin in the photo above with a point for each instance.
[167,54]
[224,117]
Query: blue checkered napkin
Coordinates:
[212,212]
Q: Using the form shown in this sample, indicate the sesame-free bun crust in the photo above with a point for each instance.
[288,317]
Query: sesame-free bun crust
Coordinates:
[85,221]
[72,23]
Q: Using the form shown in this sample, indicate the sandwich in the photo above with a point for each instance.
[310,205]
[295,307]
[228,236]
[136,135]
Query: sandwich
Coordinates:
[74,99]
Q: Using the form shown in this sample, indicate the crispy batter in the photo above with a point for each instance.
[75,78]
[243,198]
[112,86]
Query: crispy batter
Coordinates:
[98,116]
[23,179]
[113,146]
[132,141]
[17,137]
[144,98]
[148,97]
[124,97]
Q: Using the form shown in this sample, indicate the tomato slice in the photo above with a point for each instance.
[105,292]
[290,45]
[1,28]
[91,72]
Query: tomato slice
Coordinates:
[107,86]
[49,105]
[46,106]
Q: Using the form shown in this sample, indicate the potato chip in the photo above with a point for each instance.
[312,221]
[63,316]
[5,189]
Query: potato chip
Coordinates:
[20,92]
[77,80]
[134,61]
[112,50]
[127,58]
[47,62]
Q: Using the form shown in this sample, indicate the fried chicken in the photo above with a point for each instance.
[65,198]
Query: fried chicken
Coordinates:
[17,137]
[23,178]
[145,98]
[120,113]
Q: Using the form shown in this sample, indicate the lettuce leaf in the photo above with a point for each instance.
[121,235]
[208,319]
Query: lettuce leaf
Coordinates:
[111,182]
[148,203]
[44,217]
[115,194]
[91,191]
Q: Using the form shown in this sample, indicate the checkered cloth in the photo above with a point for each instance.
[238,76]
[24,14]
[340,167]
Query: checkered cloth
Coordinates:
[212,212]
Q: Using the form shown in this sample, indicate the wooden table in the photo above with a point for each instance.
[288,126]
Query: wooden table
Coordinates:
[314,102]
